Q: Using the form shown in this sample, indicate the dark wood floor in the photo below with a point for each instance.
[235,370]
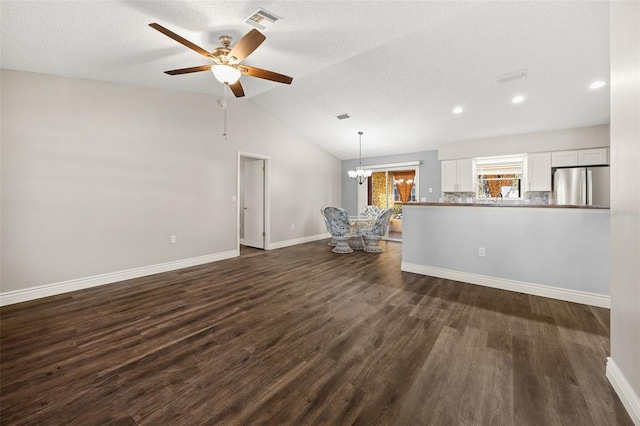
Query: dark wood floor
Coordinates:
[303,336]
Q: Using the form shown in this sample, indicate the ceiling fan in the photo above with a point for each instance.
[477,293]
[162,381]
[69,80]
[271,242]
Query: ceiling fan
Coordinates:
[226,59]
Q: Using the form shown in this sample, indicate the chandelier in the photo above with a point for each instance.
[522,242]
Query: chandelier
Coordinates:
[360,174]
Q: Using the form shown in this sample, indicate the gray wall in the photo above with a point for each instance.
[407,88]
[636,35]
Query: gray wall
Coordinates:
[625,198]
[562,248]
[96,177]
[429,175]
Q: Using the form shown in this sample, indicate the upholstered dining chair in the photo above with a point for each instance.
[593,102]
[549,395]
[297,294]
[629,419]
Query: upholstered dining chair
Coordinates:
[370,211]
[332,243]
[374,234]
[338,225]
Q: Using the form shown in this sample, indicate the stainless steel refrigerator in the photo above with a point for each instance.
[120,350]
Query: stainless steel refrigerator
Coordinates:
[581,186]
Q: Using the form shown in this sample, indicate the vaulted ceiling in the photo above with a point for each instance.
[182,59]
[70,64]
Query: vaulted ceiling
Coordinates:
[398,68]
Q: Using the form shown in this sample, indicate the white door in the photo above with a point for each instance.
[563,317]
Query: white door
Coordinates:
[253,191]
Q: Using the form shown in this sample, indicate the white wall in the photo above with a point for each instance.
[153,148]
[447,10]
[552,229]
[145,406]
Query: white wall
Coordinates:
[623,368]
[96,177]
[555,140]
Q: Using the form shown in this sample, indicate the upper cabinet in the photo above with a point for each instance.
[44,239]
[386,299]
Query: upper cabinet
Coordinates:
[539,171]
[564,158]
[580,157]
[457,175]
[593,157]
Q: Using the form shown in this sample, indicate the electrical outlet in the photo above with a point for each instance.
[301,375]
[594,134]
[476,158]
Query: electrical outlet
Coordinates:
[172,239]
[430,189]
[481,251]
[292,226]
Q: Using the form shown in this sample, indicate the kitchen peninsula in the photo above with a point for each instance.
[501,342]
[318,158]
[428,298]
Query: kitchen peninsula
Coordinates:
[547,250]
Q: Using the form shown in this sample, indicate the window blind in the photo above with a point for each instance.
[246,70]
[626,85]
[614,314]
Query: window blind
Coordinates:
[511,165]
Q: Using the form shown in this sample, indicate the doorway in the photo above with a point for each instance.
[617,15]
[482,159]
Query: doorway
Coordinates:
[252,196]
[388,185]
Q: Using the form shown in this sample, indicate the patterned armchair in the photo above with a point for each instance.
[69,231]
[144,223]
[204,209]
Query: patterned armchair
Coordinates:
[332,243]
[338,225]
[370,211]
[374,234]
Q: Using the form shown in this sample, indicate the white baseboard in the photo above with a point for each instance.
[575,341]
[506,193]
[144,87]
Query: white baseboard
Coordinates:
[296,241]
[576,296]
[46,290]
[625,392]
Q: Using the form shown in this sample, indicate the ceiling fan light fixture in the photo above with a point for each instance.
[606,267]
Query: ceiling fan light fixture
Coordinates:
[225,73]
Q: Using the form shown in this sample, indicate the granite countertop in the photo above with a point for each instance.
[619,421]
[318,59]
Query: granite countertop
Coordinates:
[509,204]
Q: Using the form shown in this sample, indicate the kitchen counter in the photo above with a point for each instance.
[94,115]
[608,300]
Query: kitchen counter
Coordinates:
[509,204]
[547,250]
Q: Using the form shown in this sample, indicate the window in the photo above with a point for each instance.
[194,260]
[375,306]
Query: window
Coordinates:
[403,185]
[499,177]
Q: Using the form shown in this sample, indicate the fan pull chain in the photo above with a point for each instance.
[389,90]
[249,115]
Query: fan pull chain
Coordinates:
[224,107]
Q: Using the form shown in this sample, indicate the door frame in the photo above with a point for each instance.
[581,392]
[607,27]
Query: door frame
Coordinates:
[409,165]
[265,201]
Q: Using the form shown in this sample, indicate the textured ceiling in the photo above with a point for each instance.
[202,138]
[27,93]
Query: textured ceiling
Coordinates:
[397,67]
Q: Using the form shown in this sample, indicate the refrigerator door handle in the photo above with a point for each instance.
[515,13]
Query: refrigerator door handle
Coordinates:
[583,186]
[589,187]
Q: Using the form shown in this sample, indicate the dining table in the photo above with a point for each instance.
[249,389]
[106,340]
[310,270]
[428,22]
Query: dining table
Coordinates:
[357,225]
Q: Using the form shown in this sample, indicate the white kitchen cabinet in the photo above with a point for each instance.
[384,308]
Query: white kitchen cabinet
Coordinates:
[457,175]
[580,157]
[539,171]
[449,172]
[593,157]
[564,158]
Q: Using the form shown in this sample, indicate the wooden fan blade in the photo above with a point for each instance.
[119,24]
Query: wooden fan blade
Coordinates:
[237,89]
[179,39]
[267,75]
[188,70]
[246,45]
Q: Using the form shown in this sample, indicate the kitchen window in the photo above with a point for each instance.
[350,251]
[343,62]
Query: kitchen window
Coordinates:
[499,177]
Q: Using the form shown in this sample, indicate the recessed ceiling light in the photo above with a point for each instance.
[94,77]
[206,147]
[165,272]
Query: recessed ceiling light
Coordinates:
[596,84]
[517,99]
[457,110]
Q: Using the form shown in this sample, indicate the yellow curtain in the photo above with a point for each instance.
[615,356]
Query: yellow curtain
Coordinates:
[401,180]
[381,197]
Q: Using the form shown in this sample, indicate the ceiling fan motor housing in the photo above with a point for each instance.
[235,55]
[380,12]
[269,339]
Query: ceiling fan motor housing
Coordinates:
[219,54]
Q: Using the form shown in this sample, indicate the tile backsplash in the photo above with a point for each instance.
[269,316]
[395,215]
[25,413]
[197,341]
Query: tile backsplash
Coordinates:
[531,197]
[537,197]
[456,197]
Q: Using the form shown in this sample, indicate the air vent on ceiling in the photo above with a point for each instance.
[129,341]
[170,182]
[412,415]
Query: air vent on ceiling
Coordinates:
[516,75]
[343,116]
[262,19]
